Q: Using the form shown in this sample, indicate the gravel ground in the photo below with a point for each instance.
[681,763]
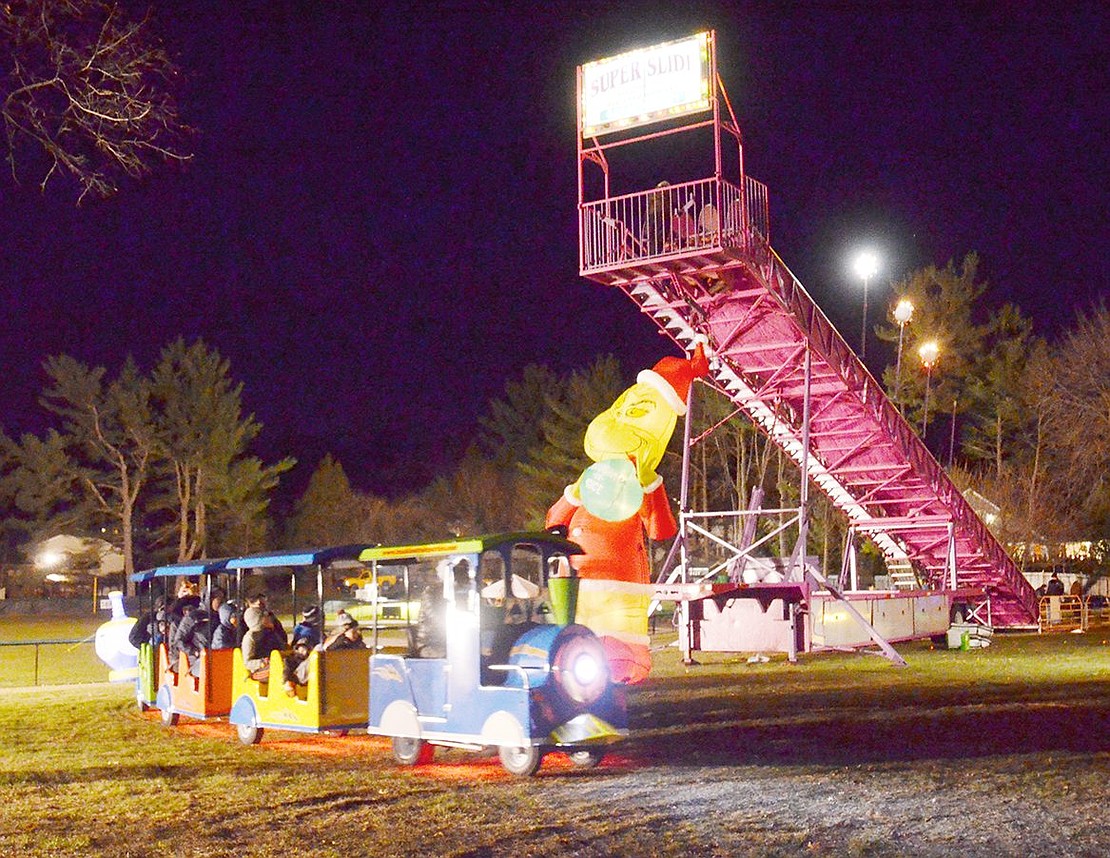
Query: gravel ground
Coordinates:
[967,808]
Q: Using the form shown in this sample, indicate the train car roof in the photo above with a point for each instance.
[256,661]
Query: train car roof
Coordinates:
[467,545]
[188,568]
[306,557]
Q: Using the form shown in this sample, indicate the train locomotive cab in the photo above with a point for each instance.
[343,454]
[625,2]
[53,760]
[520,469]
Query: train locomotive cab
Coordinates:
[494,658]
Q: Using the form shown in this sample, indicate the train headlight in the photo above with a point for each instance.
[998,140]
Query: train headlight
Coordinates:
[586,668]
[579,666]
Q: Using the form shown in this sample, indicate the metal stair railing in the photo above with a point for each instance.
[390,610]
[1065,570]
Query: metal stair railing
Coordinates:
[759,322]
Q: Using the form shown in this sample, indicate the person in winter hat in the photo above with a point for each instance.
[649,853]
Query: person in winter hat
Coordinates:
[309,626]
[226,633]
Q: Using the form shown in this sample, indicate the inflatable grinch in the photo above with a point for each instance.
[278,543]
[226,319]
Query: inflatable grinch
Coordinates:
[618,500]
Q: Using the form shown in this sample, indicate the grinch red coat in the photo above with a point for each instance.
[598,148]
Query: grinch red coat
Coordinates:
[615,588]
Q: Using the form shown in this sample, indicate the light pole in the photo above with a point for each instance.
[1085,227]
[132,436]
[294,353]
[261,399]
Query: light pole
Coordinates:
[928,352]
[866,264]
[903,312]
[952,436]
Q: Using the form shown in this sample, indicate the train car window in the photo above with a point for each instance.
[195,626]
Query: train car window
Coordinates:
[527,567]
[530,592]
[491,615]
[461,581]
[558,566]
[491,571]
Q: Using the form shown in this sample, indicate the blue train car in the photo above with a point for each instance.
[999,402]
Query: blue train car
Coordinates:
[494,658]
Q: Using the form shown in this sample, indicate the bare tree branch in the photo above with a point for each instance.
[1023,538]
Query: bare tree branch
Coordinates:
[88,94]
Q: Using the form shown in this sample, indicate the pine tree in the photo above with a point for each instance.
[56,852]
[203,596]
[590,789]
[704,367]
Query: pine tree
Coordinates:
[203,437]
[944,301]
[513,424]
[559,458]
[993,388]
[330,512]
[110,437]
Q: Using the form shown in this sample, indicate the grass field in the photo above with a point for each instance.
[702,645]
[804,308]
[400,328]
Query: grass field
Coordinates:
[1004,751]
[56,663]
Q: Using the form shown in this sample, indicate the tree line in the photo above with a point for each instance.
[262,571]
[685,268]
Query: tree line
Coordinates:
[157,461]
[161,459]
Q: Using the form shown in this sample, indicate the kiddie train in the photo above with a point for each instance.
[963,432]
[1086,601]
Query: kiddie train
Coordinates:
[490,658]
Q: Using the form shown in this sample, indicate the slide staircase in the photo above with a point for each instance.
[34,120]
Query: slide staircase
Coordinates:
[696,258]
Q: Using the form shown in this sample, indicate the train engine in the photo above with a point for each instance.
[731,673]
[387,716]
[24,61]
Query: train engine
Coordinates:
[494,658]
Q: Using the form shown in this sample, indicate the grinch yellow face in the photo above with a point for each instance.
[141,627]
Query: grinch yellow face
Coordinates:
[638,425]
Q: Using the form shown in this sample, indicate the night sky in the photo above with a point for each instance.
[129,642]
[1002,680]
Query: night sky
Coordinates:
[378,226]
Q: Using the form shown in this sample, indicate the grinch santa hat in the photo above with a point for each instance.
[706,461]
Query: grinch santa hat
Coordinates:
[673,376]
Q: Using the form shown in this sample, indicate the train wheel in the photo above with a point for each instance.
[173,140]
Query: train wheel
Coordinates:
[521,761]
[249,734]
[585,758]
[412,752]
[169,717]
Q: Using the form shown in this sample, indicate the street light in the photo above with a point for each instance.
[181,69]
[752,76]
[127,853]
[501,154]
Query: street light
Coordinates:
[866,265]
[929,352]
[49,559]
[952,435]
[903,312]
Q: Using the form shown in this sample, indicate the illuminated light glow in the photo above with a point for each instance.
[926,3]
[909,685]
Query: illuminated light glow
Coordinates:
[929,353]
[903,311]
[646,85]
[50,558]
[581,668]
[586,669]
[57,577]
[866,264]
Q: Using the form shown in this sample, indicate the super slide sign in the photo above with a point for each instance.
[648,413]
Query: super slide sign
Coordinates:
[646,85]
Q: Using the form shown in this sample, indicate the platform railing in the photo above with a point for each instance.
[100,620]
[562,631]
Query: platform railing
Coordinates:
[672,220]
[1098,610]
[1062,613]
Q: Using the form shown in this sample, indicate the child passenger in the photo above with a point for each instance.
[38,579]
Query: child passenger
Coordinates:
[346,636]
[309,626]
[259,641]
[296,666]
[226,633]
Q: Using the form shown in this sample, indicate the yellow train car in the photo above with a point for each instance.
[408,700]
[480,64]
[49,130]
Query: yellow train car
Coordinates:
[335,696]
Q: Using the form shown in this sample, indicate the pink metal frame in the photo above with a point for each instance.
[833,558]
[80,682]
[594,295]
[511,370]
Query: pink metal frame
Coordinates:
[712,275]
